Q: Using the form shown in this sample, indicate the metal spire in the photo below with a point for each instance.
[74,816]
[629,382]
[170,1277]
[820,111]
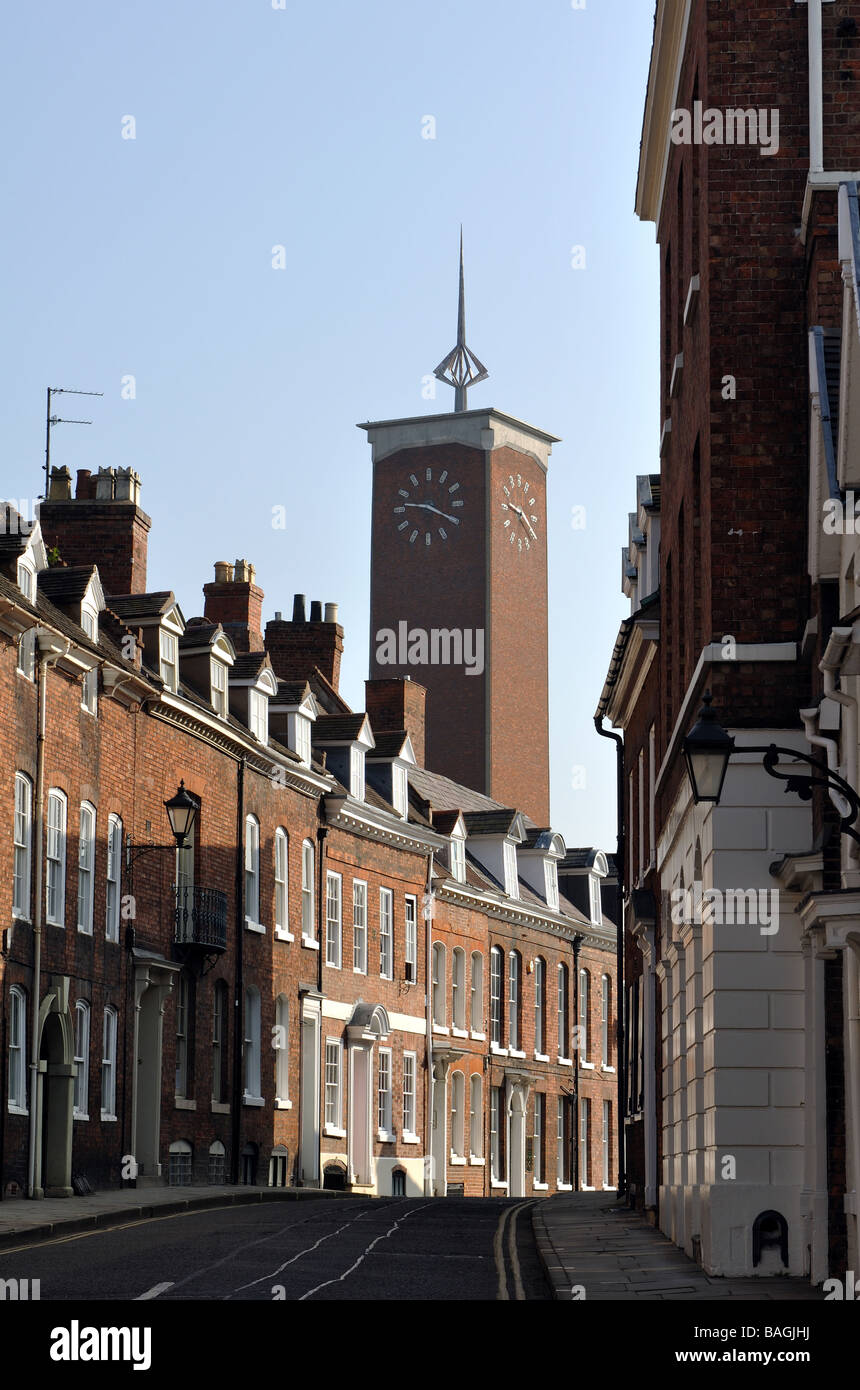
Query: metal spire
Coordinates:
[461,368]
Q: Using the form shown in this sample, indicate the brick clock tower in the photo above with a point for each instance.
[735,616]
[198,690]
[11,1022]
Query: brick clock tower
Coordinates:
[458,591]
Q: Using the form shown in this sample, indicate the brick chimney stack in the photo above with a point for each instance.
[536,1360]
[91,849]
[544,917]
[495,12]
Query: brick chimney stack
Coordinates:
[398,703]
[103,524]
[234,601]
[296,647]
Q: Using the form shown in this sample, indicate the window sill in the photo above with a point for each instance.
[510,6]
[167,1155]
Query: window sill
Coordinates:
[540,1186]
[498,1051]
[496,1184]
[478,1037]
[357,970]
[586,1066]
[541,1057]
[253,1100]
[220,1107]
[281,935]
[476,1162]
[49,922]
[440,1028]
[564,1061]
[281,1104]
[386,1136]
[333,1132]
[512,1052]
[457,1161]
[459,1033]
[16,1109]
[79,1115]
[182,1103]
[20,921]
[309,942]
[585,1188]
[254,927]
[383,976]
[408,1138]
[609,1069]
[108,1119]
[332,965]
[564,1187]
[85,931]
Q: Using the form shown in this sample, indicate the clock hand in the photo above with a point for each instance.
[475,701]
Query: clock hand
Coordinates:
[529,529]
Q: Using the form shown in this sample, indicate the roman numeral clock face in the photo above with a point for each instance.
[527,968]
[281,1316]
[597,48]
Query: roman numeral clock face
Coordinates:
[429,507]
[520,514]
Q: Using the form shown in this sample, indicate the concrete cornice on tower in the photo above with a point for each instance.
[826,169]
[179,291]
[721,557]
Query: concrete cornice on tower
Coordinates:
[667,53]
[478,429]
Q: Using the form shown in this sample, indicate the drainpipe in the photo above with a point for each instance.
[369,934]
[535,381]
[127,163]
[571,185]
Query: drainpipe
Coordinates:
[238,1001]
[428,1023]
[51,649]
[322,832]
[816,120]
[577,943]
[620,1055]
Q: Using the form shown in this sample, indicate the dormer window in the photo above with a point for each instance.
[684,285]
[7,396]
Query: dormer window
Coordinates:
[27,581]
[400,789]
[510,859]
[219,687]
[356,772]
[550,871]
[300,741]
[458,858]
[258,716]
[168,660]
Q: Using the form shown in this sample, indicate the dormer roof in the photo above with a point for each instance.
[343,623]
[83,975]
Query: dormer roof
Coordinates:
[495,823]
[343,728]
[392,744]
[67,586]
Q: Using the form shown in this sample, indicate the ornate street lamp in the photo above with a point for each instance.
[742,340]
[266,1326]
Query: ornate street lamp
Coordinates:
[708,748]
[182,813]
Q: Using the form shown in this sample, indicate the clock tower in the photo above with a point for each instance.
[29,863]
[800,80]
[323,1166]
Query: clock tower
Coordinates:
[458,592]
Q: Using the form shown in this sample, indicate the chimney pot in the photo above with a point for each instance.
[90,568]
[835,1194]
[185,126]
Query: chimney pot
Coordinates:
[223,572]
[331,612]
[82,487]
[279,617]
[241,573]
[105,485]
[299,608]
[316,611]
[60,485]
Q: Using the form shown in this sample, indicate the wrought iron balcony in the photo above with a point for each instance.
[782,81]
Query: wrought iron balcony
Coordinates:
[201,918]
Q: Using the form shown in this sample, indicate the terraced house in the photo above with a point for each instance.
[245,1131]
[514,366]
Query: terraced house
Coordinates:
[247,936]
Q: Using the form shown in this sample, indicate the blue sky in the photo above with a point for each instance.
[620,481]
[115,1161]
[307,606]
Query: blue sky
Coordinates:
[302,127]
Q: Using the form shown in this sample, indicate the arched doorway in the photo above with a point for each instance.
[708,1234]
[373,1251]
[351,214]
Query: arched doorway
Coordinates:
[56,1092]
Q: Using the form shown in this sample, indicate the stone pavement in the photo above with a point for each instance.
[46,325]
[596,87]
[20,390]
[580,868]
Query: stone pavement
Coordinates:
[23,1222]
[590,1239]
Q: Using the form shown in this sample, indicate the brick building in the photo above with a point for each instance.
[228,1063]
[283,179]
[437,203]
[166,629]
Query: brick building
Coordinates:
[266,1002]
[743,1094]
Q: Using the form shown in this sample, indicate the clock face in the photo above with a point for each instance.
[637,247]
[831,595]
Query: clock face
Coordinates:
[428,507]
[519,505]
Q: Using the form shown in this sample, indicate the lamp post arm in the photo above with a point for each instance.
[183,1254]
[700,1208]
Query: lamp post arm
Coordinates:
[802,783]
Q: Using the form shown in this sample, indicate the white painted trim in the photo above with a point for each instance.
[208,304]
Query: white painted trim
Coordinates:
[182,1103]
[400,1023]
[333,1132]
[253,1101]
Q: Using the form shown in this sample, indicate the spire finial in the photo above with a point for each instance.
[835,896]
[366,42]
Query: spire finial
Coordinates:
[461,368]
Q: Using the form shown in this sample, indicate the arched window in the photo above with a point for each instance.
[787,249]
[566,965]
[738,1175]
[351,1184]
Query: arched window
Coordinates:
[540,1005]
[308,931]
[278,1166]
[82,1060]
[18,1050]
[114,869]
[220,1025]
[458,1115]
[23,842]
[252,1045]
[605,997]
[458,988]
[179,1167]
[282,900]
[217,1163]
[55,906]
[476,1116]
[515,966]
[439,984]
[252,871]
[86,862]
[477,999]
[497,971]
[282,1053]
[583,1014]
[563,1012]
[109,1064]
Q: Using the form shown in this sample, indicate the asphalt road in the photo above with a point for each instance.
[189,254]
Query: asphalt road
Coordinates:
[404,1249]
